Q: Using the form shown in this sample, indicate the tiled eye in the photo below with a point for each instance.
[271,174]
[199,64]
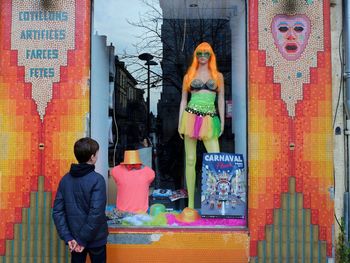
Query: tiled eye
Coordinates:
[283,29]
[298,29]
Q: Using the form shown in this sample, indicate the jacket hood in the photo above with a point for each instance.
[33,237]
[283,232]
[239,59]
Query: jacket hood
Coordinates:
[81,169]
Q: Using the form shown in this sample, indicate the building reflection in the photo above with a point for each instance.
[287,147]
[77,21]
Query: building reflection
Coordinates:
[184,28]
[129,113]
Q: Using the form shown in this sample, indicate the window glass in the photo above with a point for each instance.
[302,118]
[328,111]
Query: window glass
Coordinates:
[155,43]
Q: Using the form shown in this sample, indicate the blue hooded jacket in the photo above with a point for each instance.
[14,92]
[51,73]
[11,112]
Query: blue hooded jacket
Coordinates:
[79,207]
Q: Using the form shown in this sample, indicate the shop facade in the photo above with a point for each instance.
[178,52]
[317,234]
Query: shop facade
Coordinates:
[280,65]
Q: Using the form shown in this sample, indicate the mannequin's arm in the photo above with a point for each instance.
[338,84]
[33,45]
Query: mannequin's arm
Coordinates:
[221,102]
[183,105]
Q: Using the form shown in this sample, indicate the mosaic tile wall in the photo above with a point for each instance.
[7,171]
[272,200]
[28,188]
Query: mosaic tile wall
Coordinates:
[44,100]
[290,133]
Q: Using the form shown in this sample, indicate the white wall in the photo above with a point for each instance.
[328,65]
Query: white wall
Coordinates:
[339,161]
[100,99]
[239,78]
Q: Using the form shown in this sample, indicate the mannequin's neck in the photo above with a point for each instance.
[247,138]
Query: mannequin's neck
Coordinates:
[202,67]
[133,166]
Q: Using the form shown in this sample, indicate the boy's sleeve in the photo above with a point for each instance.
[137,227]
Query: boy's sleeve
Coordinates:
[96,217]
[59,217]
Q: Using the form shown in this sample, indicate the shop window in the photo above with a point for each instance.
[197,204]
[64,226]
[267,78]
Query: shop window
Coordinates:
[154,43]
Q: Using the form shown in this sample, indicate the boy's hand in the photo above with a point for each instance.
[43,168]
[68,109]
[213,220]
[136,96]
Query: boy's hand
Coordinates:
[72,245]
[79,248]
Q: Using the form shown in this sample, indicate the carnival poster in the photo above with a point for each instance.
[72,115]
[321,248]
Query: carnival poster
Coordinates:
[224,191]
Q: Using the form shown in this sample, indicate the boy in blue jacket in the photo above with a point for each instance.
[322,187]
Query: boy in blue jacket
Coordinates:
[79,207]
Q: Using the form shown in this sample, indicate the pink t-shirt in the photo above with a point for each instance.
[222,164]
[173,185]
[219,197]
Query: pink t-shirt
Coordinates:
[132,188]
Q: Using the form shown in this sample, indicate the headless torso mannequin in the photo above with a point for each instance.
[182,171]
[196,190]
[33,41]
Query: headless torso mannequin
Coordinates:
[198,118]
[133,180]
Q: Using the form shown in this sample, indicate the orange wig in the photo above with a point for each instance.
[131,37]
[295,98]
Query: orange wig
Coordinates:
[191,72]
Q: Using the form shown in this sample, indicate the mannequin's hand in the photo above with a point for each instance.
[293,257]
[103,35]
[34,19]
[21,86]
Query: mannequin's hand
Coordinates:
[222,129]
[180,134]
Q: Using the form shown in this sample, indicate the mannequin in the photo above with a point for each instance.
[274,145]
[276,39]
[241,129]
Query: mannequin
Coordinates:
[133,180]
[198,118]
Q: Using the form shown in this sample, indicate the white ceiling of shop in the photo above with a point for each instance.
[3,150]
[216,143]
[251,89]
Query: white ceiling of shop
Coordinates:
[200,9]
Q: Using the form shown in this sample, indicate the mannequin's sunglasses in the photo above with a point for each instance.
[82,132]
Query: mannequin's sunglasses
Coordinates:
[205,54]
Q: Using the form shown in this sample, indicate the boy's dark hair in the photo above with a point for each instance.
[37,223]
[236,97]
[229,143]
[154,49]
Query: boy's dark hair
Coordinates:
[84,148]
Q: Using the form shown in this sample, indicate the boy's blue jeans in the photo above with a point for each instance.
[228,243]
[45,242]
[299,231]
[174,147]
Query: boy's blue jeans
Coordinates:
[97,255]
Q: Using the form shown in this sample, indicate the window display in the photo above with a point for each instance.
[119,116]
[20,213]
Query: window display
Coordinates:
[194,78]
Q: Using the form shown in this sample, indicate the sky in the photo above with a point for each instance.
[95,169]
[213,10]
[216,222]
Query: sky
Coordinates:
[110,19]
